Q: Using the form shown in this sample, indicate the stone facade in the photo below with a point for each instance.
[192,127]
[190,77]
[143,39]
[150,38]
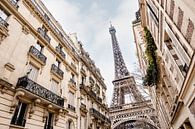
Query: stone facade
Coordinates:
[47,79]
[171,23]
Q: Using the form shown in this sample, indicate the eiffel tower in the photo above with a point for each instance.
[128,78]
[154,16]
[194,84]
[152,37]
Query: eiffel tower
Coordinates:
[129,109]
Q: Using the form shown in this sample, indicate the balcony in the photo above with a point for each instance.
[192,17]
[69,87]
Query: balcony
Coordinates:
[14,3]
[83,108]
[36,90]
[57,71]
[44,34]
[88,91]
[37,55]
[3,23]
[70,107]
[97,115]
[59,50]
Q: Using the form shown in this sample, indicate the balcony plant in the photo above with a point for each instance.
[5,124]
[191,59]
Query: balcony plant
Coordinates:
[152,73]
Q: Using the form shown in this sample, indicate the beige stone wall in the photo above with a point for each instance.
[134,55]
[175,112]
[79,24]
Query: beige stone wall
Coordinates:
[15,59]
[174,92]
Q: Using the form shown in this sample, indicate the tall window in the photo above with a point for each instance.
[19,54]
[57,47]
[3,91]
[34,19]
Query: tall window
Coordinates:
[39,47]
[172,6]
[83,79]
[33,72]
[189,31]
[19,115]
[44,29]
[49,121]
[180,18]
[57,63]
[70,124]
[71,98]
[72,76]
[54,86]
[3,14]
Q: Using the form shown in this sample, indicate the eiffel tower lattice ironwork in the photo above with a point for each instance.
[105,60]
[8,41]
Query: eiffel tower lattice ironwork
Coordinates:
[135,113]
[124,84]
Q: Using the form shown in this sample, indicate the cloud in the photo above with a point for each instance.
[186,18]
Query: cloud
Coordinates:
[90,21]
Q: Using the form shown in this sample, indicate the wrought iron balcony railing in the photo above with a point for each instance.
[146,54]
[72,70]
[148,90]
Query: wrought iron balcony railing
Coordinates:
[99,115]
[72,108]
[39,90]
[44,34]
[37,54]
[57,70]
[59,50]
[72,82]
[14,3]
[3,22]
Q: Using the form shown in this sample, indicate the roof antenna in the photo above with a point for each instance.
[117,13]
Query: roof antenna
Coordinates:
[110,24]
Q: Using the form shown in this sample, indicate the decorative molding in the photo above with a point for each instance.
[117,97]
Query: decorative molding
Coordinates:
[25,30]
[9,67]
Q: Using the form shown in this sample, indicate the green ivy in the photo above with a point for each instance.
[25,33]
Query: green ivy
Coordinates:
[152,72]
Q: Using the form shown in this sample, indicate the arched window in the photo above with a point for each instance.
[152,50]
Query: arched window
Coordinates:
[70,124]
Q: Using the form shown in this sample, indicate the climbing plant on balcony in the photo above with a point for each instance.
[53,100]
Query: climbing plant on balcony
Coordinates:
[152,73]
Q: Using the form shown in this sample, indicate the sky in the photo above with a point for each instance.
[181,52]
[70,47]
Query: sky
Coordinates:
[90,19]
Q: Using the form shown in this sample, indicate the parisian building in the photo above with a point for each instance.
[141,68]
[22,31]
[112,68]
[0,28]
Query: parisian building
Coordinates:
[171,24]
[47,79]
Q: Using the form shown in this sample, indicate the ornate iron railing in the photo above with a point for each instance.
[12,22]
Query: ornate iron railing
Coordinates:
[59,50]
[71,107]
[3,22]
[44,34]
[99,115]
[57,70]
[14,3]
[38,54]
[40,91]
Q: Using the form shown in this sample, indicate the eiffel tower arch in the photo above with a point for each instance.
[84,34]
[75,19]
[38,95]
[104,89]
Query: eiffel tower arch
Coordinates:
[129,109]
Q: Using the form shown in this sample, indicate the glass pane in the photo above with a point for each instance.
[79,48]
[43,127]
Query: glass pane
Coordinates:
[32,72]
[54,86]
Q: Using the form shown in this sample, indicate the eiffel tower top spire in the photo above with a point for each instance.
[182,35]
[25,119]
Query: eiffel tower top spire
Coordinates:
[120,67]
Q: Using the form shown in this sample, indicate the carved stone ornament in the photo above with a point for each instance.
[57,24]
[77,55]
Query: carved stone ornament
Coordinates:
[25,29]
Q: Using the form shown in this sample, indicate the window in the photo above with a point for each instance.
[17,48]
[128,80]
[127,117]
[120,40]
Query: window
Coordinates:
[172,6]
[3,14]
[54,86]
[60,46]
[71,98]
[32,72]
[83,79]
[49,121]
[72,76]
[19,115]
[44,29]
[189,31]
[180,18]
[39,47]
[57,63]
[70,124]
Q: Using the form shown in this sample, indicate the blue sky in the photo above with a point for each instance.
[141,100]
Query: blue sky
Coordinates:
[90,19]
